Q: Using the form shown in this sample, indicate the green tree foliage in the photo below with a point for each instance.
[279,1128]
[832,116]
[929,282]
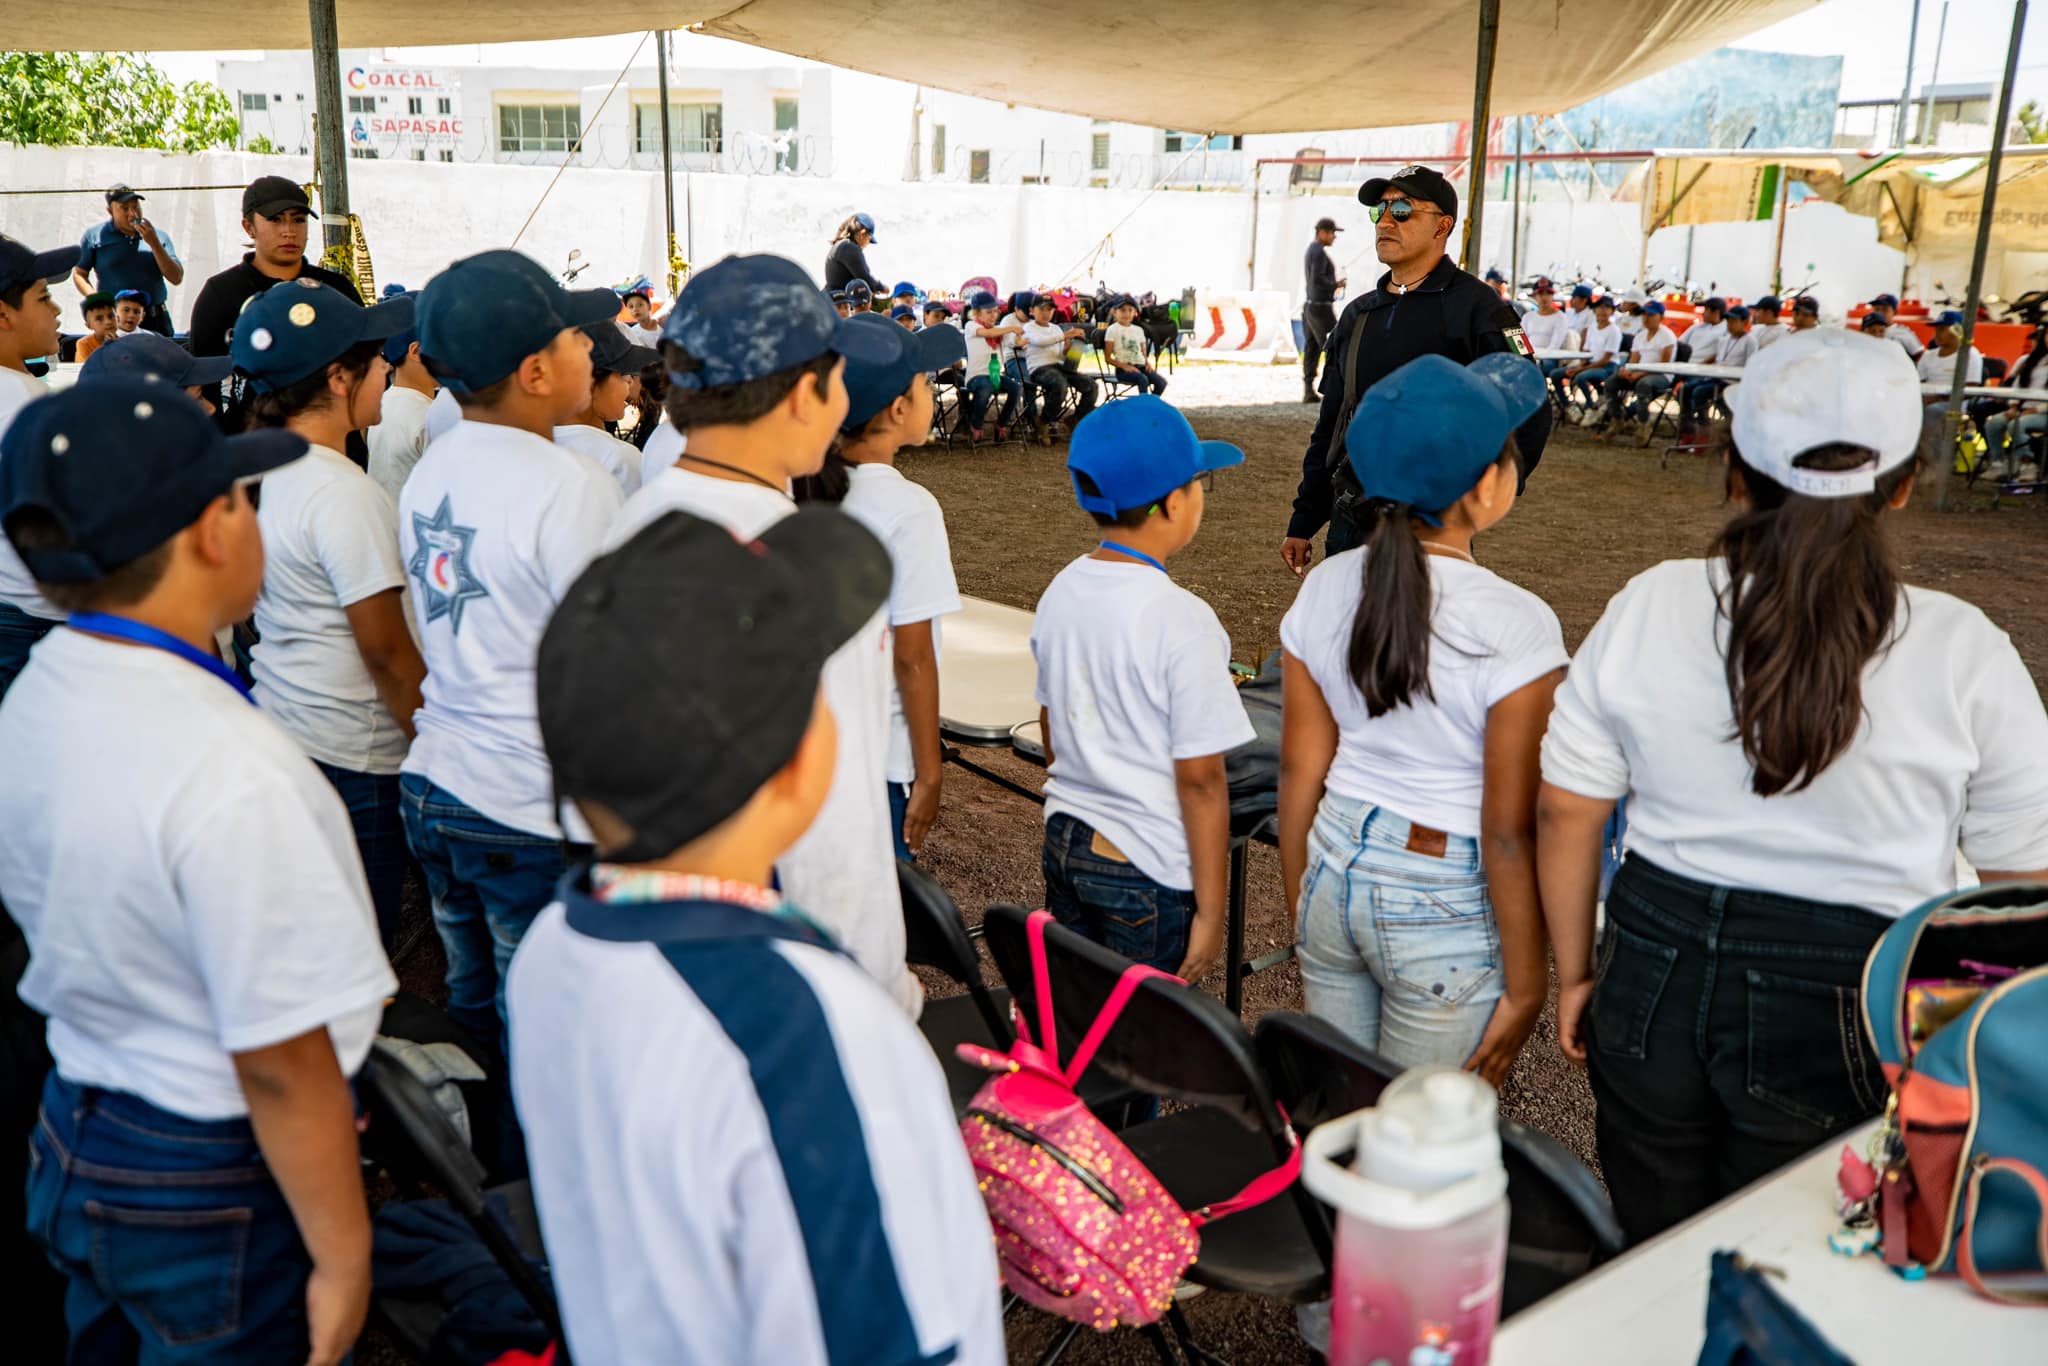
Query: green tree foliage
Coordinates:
[108,99]
[2033,122]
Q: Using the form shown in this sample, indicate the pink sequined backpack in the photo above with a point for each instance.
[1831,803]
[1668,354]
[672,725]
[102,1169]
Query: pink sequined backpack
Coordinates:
[1083,1229]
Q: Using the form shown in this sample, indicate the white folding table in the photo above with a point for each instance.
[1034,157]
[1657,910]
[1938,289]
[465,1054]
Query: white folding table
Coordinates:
[988,680]
[1648,1308]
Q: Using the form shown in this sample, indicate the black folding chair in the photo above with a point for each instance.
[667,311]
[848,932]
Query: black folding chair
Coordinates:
[1114,385]
[1560,1225]
[1178,1042]
[1672,401]
[948,411]
[936,937]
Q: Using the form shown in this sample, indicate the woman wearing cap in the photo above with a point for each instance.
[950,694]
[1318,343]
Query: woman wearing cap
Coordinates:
[1416,688]
[848,259]
[1804,742]
[335,664]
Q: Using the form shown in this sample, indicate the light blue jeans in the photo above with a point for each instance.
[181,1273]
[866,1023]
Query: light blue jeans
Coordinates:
[1396,940]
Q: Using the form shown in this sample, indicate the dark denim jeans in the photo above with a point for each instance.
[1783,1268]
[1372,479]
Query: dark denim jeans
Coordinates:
[1726,1039]
[980,393]
[1113,903]
[19,633]
[899,803]
[372,801]
[488,882]
[1053,382]
[1148,380]
[177,1244]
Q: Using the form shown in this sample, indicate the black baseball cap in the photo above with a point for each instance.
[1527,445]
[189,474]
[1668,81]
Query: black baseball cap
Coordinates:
[122,466]
[1716,303]
[1806,303]
[485,314]
[21,264]
[271,195]
[1417,182]
[1768,304]
[143,354]
[294,329]
[121,194]
[610,350]
[670,706]
[1327,225]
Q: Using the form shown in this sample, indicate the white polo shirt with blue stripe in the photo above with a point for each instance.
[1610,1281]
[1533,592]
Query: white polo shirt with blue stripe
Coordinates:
[742,1150]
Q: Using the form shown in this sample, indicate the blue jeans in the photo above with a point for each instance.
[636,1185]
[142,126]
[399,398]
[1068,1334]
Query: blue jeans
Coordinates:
[19,633]
[176,1241]
[1015,372]
[899,802]
[980,393]
[1636,395]
[372,801]
[1147,379]
[1397,942]
[1112,902]
[1589,381]
[488,882]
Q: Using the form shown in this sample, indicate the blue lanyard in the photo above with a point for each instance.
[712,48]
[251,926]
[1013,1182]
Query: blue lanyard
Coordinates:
[135,632]
[1136,555]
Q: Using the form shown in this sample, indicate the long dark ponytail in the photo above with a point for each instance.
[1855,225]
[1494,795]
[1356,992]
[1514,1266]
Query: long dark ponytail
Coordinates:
[830,483]
[1389,657]
[1811,599]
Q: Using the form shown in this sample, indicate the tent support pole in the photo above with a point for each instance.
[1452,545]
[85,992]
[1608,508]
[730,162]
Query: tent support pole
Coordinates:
[1482,113]
[1906,93]
[1515,228]
[1778,251]
[330,131]
[668,163]
[1933,78]
[1251,261]
[1952,421]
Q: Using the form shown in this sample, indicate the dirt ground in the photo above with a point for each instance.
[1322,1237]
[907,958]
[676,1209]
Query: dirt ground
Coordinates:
[1593,517]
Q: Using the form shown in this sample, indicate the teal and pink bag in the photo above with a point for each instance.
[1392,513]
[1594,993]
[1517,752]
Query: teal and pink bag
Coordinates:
[1955,997]
[1083,1229]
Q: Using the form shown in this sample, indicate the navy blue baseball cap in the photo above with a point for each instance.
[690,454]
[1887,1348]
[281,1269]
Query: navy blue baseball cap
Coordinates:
[981,299]
[392,291]
[1424,434]
[1717,303]
[484,315]
[859,293]
[1770,303]
[1873,322]
[291,330]
[1582,291]
[1739,313]
[398,343]
[1806,303]
[902,311]
[903,287]
[837,296]
[872,385]
[1885,301]
[748,317]
[1137,450]
[869,223]
[610,350]
[21,266]
[143,354]
[122,466]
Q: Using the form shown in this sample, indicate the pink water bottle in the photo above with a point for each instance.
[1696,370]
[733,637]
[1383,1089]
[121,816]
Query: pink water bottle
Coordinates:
[1422,1226]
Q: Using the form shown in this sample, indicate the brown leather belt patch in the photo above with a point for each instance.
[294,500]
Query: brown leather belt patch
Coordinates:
[1427,842]
[1102,848]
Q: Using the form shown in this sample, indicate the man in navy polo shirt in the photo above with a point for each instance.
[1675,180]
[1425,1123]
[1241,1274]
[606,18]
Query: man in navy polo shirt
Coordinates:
[127,251]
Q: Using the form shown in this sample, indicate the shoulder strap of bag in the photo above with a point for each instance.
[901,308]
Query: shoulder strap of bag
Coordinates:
[1105,1018]
[1260,1189]
[1966,1256]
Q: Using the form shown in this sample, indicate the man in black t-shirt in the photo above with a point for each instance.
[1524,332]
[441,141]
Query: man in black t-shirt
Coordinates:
[1319,304]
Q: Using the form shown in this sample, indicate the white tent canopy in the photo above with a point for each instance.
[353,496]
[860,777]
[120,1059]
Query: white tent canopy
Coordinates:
[1200,65]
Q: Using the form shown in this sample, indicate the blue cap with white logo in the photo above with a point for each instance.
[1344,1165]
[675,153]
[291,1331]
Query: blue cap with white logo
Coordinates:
[21,265]
[122,466]
[749,317]
[143,354]
[1425,433]
[293,329]
[1136,451]
[484,315]
[873,385]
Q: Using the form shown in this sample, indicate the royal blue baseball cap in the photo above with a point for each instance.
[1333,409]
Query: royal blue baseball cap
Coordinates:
[1136,451]
[610,349]
[289,331]
[749,317]
[1424,434]
[19,265]
[122,466]
[1654,307]
[122,296]
[485,314]
[1949,317]
[1582,291]
[903,289]
[872,385]
[145,355]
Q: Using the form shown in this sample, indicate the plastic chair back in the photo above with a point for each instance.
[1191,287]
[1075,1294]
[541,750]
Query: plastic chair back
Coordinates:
[935,936]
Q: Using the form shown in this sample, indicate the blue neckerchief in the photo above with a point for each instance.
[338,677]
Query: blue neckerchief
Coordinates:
[135,632]
[1136,555]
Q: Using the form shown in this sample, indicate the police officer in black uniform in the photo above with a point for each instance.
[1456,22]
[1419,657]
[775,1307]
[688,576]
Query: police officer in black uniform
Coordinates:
[1424,305]
[1319,304]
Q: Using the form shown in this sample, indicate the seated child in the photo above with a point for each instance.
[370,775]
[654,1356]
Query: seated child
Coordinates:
[615,368]
[743,1154]
[987,343]
[904,316]
[1124,343]
[1136,703]
[130,308]
[1045,357]
[97,309]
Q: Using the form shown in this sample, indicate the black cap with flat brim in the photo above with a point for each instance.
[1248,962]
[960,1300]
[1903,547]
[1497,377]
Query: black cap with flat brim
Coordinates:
[21,264]
[1417,182]
[271,195]
[681,671]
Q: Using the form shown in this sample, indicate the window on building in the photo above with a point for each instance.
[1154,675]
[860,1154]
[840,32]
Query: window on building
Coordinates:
[1098,152]
[977,167]
[938,149]
[694,128]
[363,153]
[415,106]
[785,113]
[1299,174]
[1173,141]
[419,154]
[362,104]
[255,102]
[447,154]
[538,127]
[444,105]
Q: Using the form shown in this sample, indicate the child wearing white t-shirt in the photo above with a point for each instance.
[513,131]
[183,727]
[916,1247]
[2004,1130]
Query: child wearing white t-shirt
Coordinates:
[755,360]
[335,662]
[889,408]
[988,347]
[616,364]
[1135,702]
[399,439]
[200,936]
[1045,360]
[1417,685]
[1124,342]
[1805,742]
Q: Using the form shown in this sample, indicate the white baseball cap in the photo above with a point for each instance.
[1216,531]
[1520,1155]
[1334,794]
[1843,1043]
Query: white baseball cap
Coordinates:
[1823,387]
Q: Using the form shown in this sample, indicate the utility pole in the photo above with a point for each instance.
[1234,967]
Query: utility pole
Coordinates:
[1906,92]
[668,162]
[330,130]
[1482,115]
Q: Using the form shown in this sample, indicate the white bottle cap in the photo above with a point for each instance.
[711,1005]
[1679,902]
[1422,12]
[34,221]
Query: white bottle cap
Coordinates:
[1428,1154]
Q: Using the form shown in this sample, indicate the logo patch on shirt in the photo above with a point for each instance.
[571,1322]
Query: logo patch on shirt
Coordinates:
[440,565]
[1520,341]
